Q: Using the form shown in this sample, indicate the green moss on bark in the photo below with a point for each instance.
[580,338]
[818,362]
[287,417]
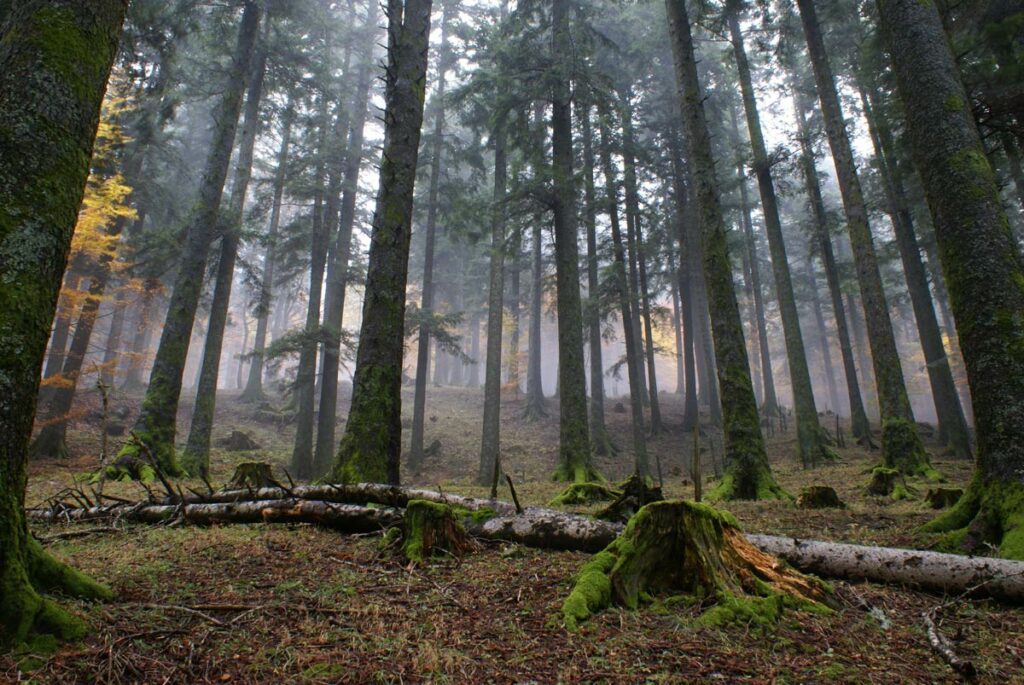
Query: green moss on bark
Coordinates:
[988,514]
[902,450]
[429,528]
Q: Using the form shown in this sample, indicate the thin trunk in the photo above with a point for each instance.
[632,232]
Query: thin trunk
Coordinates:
[473,370]
[242,348]
[901,445]
[677,329]
[427,298]
[140,342]
[811,439]
[371,447]
[112,347]
[634,362]
[747,473]
[828,371]
[254,385]
[196,458]
[536,404]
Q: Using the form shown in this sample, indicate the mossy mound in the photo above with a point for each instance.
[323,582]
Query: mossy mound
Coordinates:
[238,441]
[819,497]
[943,498]
[584,493]
[883,481]
[430,528]
[125,468]
[674,547]
[635,493]
[990,514]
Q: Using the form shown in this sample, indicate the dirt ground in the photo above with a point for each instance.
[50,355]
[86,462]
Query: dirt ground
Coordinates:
[299,604]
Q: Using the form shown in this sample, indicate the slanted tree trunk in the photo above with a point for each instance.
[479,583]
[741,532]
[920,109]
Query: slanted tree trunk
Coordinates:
[490,440]
[860,428]
[952,425]
[982,265]
[253,391]
[812,445]
[337,266]
[633,360]
[155,427]
[419,405]
[747,473]
[574,432]
[196,458]
[371,447]
[901,445]
[599,438]
[55,58]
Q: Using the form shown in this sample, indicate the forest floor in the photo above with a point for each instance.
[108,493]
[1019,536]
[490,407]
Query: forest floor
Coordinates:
[301,604]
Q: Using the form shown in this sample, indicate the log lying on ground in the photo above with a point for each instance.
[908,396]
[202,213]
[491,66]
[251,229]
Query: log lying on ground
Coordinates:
[544,528]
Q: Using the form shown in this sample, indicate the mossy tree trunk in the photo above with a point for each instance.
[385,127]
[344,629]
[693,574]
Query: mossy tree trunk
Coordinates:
[419,406]
[371,447]
[860,427]
[196,458]
[901,445]
[747,473]
[55,58]
[253,391]
[952,425]
[574,431]
[155,426]
[337,266]
[811,442]
[599,438]
[490,439]
[982,265]
[621,284]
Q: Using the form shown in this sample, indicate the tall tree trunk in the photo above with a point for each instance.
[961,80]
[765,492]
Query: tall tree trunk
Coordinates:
[982,265]
[55,58]
[828,371]
[770,404]
[490,439]
[634,362]
[58,345]
[337,267]
[254,385]
[811,439]
[677,328]
[635,231]
[599,438]
[140,341]
[536,404]
[196,458]
[472,369]
[860,428]
[155,427]
[952,425]
[112,346]
[242,348]
[371,447]
[574,432]
[419,405]
[747,473]
[901,445]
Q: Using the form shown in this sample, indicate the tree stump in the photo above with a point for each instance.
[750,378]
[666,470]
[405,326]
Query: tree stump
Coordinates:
[883,481]
[673,547]
[941,498]
[585,493]
[253,474]
[819,497]
[238,442]
[635,493]
[430,527]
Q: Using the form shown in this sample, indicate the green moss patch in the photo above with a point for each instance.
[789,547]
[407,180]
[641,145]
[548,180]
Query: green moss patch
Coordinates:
[584,493]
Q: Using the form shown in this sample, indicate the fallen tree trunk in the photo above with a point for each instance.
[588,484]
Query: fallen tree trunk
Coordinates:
[549,529]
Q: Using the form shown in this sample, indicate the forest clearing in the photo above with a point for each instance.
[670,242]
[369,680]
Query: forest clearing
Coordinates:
[526,341]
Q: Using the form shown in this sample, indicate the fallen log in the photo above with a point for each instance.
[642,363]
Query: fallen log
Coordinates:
[548,529]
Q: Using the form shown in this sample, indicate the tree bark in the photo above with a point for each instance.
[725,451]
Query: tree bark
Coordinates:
[155,427]
[196,458]
[982,265]
[371,447]
[747,473]
[823,343]
[536,404]
[55,58]
[901,445]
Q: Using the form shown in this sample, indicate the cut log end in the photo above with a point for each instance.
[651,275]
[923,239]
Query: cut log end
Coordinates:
[677,547]
[430,528]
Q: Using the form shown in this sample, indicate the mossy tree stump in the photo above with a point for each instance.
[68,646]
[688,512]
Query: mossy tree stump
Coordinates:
[253,474]
[819,497]
[430,527]
[883,481]
[685,547]
[942,498]
[585,493]
[635,493]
